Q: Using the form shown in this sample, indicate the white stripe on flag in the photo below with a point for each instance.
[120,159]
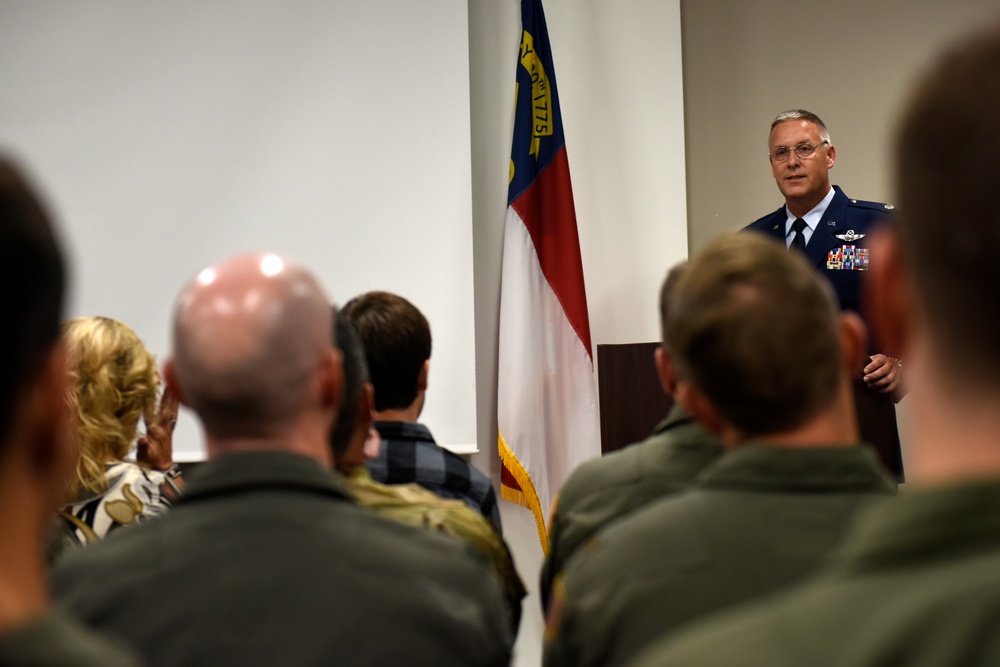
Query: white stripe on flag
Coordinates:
[546,408]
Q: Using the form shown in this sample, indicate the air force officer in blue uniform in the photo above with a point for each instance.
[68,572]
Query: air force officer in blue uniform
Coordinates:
[832,230]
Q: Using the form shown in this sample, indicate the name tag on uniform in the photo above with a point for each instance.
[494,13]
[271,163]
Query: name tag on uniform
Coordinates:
[847,258]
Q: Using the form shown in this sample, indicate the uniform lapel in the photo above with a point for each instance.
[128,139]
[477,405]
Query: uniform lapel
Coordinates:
[775,224]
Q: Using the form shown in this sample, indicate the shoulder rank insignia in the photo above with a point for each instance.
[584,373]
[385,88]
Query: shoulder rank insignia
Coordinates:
[849,236]
[871,205]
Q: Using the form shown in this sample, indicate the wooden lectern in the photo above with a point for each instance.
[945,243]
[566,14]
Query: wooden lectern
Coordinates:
[632,400]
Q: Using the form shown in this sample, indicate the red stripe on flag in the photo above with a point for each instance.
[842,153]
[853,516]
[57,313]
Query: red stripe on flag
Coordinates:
[507,478]
[547,210]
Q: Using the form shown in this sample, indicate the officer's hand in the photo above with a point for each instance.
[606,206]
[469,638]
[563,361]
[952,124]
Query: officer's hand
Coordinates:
[884,374]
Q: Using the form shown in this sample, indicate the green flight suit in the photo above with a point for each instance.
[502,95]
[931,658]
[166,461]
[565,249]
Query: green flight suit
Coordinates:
[605,489]
[916,584]
[415,505]
[265,560]
[756,520]
[56,640]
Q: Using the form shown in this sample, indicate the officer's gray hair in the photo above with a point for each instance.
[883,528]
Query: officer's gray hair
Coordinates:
[801,114]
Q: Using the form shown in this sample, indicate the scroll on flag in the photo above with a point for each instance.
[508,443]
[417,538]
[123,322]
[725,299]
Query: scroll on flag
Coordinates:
[546,407]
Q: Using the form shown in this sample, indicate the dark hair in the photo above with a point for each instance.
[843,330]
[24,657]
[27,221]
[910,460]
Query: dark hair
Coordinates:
[946,166]
[31,299]
[397,342]
[755,329]
[355,377]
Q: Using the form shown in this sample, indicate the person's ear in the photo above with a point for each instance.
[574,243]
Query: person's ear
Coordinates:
[422,378]
[831,156]
[333,380]
[44,425]
[170,379]
[665,370]
[365,406]
[373,444]
[694,401]
[888,295]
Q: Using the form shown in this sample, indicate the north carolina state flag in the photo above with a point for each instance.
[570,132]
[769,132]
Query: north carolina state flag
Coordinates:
[546,407]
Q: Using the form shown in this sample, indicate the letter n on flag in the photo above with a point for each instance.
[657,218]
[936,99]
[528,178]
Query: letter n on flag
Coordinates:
[546,407]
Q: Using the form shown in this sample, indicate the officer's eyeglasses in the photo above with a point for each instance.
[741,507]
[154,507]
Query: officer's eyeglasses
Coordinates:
[803,150]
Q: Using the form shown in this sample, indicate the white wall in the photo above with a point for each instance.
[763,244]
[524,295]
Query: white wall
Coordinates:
[171,135]
[618,67]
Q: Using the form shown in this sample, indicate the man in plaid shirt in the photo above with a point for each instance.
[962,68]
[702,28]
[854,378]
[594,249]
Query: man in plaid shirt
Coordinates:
[397,342]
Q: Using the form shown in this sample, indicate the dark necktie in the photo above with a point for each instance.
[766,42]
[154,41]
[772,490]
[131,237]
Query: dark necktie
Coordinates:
[799,240]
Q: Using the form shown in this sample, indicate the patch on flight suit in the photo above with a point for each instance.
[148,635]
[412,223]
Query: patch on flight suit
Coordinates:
[847,258]
[552,515]
[557,604]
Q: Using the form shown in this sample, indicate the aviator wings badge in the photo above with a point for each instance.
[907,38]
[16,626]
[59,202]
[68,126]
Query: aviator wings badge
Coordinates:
[849,236]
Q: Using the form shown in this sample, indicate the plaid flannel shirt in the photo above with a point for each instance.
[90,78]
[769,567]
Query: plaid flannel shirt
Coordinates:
[409,455]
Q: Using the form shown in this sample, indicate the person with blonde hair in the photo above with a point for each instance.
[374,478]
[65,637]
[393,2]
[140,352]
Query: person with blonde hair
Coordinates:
[113,384]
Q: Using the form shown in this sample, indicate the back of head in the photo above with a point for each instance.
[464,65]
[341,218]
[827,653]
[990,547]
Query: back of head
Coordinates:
[754,328]
[33,276]
[249,336]
[666,290]
[946,166]
[397,341]
[113,382]
[355,376]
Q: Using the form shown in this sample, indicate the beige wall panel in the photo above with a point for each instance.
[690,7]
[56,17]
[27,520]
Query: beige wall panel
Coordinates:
[850,61]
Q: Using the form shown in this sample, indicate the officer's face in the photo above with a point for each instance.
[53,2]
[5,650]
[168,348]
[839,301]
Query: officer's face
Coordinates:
[801,180]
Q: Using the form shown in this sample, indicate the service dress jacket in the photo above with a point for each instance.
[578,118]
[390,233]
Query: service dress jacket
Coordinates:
[838,248]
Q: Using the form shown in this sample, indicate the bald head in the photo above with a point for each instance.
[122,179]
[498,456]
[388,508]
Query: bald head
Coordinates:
[252,346]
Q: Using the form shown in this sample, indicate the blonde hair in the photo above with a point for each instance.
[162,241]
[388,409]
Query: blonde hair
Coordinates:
[113,382]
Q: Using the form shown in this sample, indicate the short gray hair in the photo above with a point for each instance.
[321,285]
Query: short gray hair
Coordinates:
[801,114]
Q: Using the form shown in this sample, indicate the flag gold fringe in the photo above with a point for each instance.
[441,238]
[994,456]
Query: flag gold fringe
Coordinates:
[527,496]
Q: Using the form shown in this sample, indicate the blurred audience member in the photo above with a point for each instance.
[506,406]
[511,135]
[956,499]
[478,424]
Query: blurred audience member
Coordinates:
[764,359]
[917,583]
[36,453]
[265,560]
[603,490]
[397,342]
[409,503]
